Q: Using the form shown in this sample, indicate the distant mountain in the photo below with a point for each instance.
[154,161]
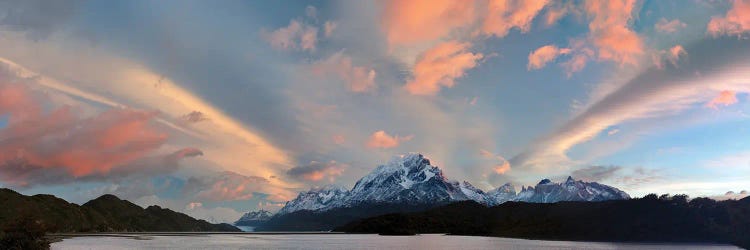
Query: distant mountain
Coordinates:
[104,214]
[254,218]
[648,219]
[570,190]
[409,183]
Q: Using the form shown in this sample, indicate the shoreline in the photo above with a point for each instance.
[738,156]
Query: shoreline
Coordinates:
[147,236]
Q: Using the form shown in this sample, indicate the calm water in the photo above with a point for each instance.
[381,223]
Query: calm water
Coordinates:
[344,241]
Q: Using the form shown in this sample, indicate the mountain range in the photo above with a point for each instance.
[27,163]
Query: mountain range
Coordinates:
[410,183]
[253,218]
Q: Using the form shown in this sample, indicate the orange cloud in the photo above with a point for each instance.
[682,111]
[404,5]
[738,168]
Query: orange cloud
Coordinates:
[358,79]
[610,33]
[665,26]
[440,66]
[295,36]
[410,22]
[316,171]
[504,15]
[541,56]
[725,98]
[381,139]
[736,22]
[502,168]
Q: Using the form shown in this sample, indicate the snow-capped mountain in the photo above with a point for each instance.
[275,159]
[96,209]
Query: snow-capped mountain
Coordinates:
[570,190]
[317,199]
[410,179]
[253,218]
[501,194]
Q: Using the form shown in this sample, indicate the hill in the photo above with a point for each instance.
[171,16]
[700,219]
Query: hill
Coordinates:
[648,219]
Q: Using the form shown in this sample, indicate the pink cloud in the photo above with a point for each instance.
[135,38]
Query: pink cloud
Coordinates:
[381,139]
[317,171]
[725,98]
[610,33]
[736,21]
[672,55]
[328,28]
[231,186]
[556,11]
[541,56]
[339,139]
[227,186]
[358,79]
[296,35]
[665,26]
[59,145]
[411,22]
[504,15]
[439,67]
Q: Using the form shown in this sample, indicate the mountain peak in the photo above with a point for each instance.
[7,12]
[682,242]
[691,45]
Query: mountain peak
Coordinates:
[545,182]
[570,180]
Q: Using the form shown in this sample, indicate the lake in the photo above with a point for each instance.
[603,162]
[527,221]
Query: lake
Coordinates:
[342,241]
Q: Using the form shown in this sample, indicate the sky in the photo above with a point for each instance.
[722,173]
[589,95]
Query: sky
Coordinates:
[216,108]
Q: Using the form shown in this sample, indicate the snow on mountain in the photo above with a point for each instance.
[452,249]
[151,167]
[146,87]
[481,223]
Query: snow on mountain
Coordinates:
[501,194]
[570,190]
[410,179]
[254,217]
[317,199]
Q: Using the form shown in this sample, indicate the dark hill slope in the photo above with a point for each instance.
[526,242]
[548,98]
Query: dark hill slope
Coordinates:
[104,214]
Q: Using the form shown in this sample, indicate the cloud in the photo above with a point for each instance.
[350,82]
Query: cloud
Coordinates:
[194,117]
[339,139]
[381,139]
[504,15]
[295,36]
[725,98]
[613,132]
[440,66]
[37,18]
[541,56]
[501,166]
[317,171]
[735,23]
[668,27]
[231,186]
[595,173]
[226,141]
[413,22]
[328,28]
[358,79]
[731,195]
[672,55]
[213,215]
[609,31]
[652,93]
[37,144]
[556,11]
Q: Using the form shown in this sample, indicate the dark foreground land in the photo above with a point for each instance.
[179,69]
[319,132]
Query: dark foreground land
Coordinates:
[24,220]
[648,219]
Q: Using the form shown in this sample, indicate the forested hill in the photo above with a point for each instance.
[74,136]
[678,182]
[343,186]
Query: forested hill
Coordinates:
[648,219]
[104,214]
